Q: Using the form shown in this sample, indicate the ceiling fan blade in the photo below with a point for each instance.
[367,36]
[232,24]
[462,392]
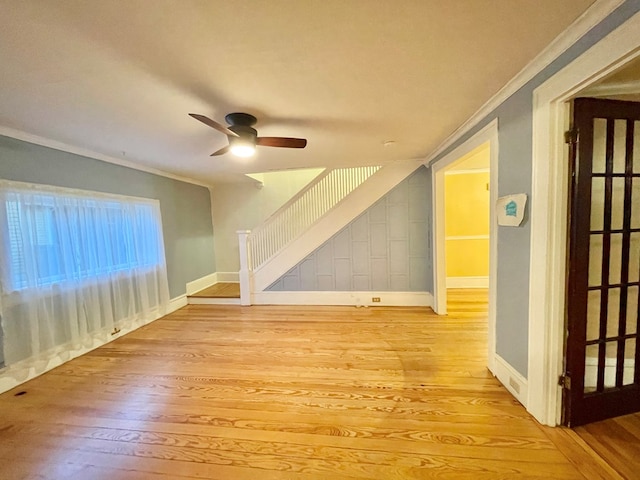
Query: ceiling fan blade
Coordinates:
[222,151]
[285,142]
[213,124]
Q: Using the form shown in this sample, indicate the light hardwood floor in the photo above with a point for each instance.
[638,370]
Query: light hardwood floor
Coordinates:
[219,290]
[468,302]
[253,393]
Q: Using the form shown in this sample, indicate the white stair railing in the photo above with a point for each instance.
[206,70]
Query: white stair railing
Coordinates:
[302,211]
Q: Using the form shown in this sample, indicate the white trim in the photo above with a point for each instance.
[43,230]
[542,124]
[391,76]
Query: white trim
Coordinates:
[358,299]
[246,280]
[466,237]
[489,133]
[597,12]
[213,301]
[468,171]
[177,303]
[479,138]
[512,380]
[467,282]
[211,279]
[549,212]
[206,282]
[65,147]
[201,283]
[438,242]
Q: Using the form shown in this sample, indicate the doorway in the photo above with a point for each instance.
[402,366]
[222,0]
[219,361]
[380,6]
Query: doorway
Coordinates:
[484,142]
[466,202]
[604,262]
[549,206]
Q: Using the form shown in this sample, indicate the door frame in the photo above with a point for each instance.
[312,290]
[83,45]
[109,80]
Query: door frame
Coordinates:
[488,134]
[550,190]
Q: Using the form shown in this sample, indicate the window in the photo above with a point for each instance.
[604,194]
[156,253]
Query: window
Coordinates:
[57,237]
[74,265]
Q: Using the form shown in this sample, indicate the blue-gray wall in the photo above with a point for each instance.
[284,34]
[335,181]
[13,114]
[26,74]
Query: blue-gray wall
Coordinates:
[387,248]
[186,208]
[515,130]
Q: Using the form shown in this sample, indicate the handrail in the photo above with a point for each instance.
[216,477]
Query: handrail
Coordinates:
[303,210]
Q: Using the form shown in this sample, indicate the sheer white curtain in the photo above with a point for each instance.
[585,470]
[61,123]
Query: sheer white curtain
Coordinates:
[75,265]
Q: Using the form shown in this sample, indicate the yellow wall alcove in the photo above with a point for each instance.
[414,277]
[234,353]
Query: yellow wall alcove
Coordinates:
[467,218]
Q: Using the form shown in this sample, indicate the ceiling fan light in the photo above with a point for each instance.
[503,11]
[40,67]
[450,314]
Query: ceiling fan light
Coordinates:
[243,149]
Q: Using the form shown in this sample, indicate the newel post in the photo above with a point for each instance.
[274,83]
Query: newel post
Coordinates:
[244,273]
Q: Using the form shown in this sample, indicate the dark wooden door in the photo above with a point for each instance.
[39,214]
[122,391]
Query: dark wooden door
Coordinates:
[604,263]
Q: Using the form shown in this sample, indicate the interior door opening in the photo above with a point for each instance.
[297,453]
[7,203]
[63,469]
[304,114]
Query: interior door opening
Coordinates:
[466,210]
[481,154]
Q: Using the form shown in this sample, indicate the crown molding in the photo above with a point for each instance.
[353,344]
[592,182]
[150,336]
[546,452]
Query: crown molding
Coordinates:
[583,24]
[65,147]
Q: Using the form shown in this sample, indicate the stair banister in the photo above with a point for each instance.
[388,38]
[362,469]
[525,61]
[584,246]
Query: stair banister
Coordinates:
[302,211]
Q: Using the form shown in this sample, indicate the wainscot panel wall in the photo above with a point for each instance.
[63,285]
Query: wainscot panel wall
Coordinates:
[387,248]
[515,120]
[185,208]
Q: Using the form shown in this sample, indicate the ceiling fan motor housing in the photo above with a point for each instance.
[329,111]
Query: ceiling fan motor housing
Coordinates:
[241,123]
[245,134]
[240,119]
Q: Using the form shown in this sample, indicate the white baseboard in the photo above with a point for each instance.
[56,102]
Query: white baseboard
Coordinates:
[402,299]
[211,279]
[511,379]
[468,282]
[213,301]
[201,283]
[177,303]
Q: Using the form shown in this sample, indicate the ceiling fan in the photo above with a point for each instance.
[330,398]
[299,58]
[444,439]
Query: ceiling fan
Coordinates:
[243,138]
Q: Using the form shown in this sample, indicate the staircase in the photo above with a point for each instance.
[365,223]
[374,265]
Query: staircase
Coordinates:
[302,211]
[315,214]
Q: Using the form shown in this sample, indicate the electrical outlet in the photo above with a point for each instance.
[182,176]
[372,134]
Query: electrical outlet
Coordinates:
[375,299]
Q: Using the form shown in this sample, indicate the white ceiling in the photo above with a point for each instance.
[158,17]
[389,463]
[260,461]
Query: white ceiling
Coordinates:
[118,77]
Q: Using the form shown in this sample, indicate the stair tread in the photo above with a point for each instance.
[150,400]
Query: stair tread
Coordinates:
[219,290]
